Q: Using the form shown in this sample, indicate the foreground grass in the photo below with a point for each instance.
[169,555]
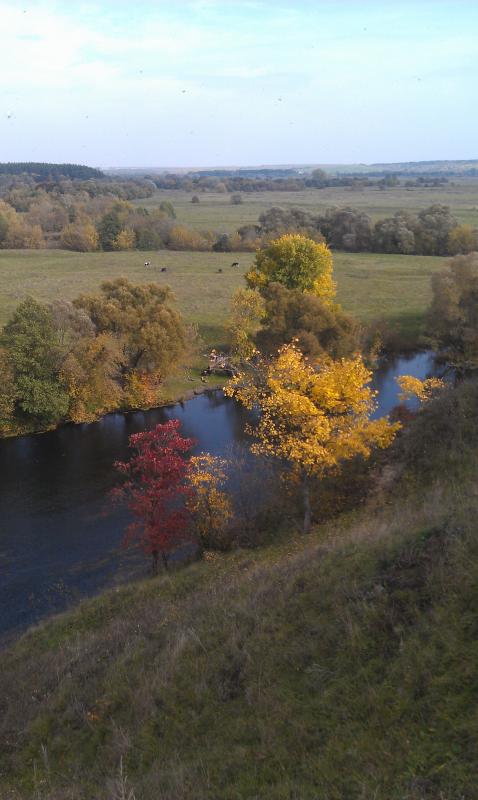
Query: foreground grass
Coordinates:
[339,666]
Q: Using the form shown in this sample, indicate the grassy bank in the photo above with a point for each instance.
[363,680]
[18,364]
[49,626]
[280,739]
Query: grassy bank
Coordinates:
[343,665]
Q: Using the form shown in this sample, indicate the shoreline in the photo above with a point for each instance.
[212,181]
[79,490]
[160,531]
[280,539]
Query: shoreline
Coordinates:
[184,398]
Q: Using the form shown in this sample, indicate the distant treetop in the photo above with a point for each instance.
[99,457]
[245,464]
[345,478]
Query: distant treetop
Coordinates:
[45,170]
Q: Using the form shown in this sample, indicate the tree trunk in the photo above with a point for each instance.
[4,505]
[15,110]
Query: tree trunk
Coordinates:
[306,500]
[155,555]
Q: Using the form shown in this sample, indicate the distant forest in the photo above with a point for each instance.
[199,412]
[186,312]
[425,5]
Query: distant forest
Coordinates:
[44,170]
[91,214]
[272,181]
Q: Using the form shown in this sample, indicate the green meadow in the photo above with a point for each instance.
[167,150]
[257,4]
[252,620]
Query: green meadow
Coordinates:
[370,285]
[215,211]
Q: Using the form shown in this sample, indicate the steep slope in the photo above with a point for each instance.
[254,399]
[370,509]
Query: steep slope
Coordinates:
[340,666]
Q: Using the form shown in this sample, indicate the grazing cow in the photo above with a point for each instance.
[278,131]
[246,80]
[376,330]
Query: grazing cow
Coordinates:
[235,264]
[147,263]
[163,269]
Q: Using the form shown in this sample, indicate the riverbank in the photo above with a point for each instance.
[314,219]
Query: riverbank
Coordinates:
[57,543]
[340,664]
[176,389]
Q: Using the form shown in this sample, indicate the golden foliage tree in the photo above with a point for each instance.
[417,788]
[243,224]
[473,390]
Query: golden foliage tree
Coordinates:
[142,389]
[82,237]
[209,504]
[424,391]
[182,238]
[297,263]
[90,372]
[462,239]
[313,416]
[125,240]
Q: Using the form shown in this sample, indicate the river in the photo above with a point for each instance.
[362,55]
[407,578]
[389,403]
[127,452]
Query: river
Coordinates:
[59,540]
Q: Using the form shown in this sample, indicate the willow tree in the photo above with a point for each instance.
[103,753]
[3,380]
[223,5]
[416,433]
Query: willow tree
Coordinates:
[312,416]
[297,263]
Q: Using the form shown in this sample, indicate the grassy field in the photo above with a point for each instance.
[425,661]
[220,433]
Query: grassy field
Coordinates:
[215,212]
[338,665]
[369,285]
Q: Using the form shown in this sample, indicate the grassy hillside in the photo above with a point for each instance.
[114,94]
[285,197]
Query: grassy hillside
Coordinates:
[370,285]
[339,666]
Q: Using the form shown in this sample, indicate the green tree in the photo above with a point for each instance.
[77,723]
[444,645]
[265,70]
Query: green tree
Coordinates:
[168,208]
[433,228]
[317,327]
[108,229]
[34,358]
[453,316]
[395,234]
[347,229]
[151,332]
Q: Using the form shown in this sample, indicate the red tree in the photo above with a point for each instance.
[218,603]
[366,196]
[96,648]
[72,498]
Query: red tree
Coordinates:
[155,489]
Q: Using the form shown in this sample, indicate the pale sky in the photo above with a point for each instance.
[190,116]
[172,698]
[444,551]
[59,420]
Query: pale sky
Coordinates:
[238,82]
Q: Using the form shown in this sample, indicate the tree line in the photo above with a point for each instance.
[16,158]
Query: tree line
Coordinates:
[277,181]
[97,214]
[40,170]
[433,231]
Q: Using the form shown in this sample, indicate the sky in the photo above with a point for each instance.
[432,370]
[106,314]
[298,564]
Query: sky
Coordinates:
[238,82]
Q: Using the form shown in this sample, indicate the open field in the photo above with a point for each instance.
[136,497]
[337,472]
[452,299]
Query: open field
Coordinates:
[215,212]
[370,285]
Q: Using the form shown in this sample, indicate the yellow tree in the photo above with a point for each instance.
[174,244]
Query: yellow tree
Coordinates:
[297,263]
[82,237]
[209,504]
[424,391]
[312,416]
[462,239]
[247,310]
[125,240]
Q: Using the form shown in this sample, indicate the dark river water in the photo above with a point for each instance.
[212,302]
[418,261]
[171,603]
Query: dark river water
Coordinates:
[59,540]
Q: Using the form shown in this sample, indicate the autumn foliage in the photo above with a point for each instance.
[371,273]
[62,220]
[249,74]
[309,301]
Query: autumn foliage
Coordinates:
[209,503]
[155,488]
[423,391]
[312,416]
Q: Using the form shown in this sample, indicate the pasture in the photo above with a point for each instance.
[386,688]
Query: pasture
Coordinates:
[370,285]
[215,211]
